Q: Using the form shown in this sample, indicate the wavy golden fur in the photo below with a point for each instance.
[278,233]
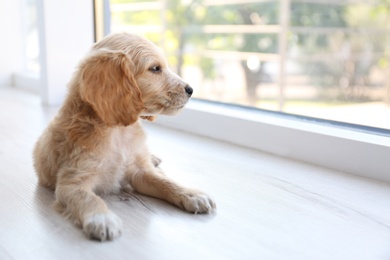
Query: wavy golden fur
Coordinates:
[96,143]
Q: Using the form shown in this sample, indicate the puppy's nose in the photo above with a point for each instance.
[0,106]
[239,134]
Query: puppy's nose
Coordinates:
[189,90]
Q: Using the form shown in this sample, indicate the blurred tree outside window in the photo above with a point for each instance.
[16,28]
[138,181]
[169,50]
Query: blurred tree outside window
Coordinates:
[324,59]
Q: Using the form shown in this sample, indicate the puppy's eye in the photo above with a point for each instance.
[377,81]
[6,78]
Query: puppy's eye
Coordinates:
[155,69]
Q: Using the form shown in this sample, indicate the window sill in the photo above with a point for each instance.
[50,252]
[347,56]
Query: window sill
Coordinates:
[338,148]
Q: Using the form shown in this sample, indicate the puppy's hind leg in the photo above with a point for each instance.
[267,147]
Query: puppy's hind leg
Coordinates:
[76,199]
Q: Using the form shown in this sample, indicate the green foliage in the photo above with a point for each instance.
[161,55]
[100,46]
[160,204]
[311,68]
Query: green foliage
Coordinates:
[183,19]
[313,15]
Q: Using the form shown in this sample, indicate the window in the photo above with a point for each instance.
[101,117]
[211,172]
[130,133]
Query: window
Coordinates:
[323,59]
[27,76]
[267,74]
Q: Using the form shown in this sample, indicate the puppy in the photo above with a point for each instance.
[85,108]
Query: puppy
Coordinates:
[96,143]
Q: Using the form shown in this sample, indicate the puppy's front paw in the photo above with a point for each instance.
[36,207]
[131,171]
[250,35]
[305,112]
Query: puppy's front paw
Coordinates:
[102,226]
[196,202]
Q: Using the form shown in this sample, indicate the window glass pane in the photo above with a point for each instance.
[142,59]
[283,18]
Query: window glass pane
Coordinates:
[324,59]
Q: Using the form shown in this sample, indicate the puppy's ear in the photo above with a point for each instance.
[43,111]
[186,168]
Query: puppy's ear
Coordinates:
[108,85]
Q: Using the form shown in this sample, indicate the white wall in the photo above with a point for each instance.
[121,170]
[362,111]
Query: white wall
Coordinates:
[66,34]
[11,35]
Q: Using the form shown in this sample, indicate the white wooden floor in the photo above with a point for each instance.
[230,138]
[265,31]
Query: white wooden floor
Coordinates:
[268,207]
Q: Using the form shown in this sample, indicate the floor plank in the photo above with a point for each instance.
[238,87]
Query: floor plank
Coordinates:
[268,207]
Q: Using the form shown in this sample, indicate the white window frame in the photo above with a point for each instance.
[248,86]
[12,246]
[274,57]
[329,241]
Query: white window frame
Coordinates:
[346,149]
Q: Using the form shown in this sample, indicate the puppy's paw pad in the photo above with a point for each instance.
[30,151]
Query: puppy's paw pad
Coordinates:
[197,202]
[102,226]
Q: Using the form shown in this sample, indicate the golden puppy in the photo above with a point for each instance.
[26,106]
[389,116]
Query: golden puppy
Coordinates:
[96,144]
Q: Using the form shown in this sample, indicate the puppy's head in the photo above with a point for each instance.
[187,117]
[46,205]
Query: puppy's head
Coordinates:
[126,77]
